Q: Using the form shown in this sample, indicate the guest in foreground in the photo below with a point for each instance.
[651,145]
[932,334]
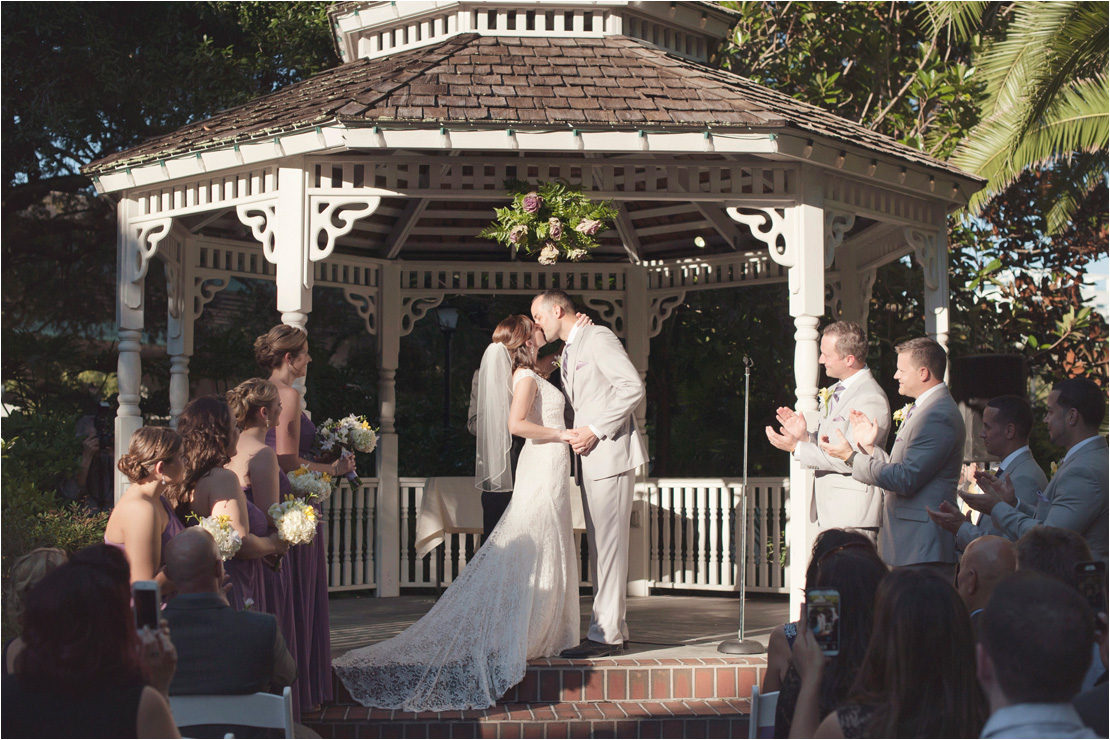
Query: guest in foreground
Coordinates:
[220,650]
[1035,646]
[83,677]
[855,572]
[143,520]
[918,677]
[283,353]
[27,571]
[209,489]
[986,562]
[1076,497]
[923,466]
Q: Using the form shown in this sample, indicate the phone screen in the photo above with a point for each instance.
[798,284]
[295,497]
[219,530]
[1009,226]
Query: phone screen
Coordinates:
[146,602]
[823,614]
[1090,578]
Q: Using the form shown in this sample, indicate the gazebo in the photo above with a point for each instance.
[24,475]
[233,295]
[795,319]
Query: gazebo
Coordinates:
[374,178]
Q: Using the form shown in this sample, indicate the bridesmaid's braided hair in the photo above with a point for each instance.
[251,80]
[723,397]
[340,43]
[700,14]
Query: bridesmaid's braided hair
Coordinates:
[248,397]
[149,445]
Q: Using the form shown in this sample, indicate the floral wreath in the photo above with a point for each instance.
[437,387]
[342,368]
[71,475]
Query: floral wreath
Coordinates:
[553,218]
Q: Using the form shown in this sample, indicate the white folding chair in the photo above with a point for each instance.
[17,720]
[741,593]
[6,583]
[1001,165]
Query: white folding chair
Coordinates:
[251,710]
[762,720]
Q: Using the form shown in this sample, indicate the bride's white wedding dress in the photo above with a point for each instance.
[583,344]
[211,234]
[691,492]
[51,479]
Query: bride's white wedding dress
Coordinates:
[516,600]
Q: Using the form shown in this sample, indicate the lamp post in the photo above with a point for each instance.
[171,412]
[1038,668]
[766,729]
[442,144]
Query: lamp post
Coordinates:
[448,319]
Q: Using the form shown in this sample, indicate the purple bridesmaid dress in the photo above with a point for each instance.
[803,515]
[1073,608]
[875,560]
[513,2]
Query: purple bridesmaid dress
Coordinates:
[247,575]
[308,564]
[173,526]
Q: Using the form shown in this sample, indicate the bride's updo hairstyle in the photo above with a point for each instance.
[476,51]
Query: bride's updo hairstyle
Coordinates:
[149,445]
[270,348]
[248,398]
[514,332]
[205,427]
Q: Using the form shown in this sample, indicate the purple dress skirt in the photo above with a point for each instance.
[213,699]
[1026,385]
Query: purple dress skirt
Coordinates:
[247,575]
[308,564]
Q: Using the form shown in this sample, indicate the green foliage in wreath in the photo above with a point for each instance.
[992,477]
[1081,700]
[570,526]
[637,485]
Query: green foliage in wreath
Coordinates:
[552,218]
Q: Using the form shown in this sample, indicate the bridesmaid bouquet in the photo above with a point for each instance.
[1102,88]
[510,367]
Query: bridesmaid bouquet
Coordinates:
[309,484]
[295,520]
[349,434]
[219,526]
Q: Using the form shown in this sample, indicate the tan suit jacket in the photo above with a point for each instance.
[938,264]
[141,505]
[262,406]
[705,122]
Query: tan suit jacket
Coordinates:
[838,499]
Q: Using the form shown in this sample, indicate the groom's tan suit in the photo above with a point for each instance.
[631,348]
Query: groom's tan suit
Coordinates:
[603,389]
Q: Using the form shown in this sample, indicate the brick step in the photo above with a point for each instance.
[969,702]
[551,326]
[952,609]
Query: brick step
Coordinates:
[724,718]
[635,679]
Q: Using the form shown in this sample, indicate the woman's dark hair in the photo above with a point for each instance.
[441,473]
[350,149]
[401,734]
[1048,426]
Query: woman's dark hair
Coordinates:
[835,539]
[79,631]
[205,426]
[270,348]
[856,573]
[148,447]
[919,671]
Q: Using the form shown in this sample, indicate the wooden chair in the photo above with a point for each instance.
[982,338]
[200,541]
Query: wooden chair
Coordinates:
[762,720]
[252,710]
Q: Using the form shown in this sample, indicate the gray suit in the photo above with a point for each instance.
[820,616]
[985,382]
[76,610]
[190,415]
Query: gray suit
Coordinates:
[603,388]
[838,499]
[921,470]
[1075,499]
[1028,480]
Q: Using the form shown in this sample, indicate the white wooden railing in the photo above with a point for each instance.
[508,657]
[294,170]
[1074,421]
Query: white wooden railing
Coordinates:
[690,535]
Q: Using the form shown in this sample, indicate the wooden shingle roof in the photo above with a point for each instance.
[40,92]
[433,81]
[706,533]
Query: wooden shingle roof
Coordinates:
[614,82]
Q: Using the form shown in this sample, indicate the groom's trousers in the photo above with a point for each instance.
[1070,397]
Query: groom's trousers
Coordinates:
[607,505]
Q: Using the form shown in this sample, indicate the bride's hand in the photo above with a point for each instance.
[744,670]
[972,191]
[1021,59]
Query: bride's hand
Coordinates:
[583,320]
[566,436]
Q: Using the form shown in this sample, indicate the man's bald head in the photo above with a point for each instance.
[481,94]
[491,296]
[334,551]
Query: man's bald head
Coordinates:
[985,563]
[193,562]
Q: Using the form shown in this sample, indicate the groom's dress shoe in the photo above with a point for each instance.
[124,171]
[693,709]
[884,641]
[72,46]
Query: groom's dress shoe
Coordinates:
[592,649]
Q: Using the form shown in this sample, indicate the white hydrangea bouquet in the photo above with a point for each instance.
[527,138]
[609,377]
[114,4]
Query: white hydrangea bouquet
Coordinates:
[349,434]
[310,484]
[219,526]
[295,520]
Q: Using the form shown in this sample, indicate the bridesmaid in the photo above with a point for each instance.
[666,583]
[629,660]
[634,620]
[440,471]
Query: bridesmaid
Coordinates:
[143,521]
[283,351]
[256,407]
[209,489]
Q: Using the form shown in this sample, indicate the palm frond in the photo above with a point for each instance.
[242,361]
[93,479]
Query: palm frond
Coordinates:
[961,19]
[1067,192]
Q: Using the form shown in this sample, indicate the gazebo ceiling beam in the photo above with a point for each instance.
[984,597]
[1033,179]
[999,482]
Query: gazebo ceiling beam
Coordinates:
[724,225]
[630,239]
[405,226]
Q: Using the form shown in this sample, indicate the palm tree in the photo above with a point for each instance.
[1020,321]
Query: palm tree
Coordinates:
[1046,101]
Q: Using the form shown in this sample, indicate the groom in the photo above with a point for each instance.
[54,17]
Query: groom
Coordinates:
[603,388]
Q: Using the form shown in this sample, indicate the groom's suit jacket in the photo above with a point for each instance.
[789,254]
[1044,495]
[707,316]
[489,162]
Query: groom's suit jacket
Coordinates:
[921,470]
[604,388]
[838,499]
[1028,480]
[1075,499]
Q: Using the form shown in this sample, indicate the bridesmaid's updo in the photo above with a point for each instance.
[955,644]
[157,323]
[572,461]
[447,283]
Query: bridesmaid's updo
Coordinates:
[247,398]
[514,332]
[270,348]
[149,445]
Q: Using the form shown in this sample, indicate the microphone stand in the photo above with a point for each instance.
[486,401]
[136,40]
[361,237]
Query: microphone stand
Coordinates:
[740,646]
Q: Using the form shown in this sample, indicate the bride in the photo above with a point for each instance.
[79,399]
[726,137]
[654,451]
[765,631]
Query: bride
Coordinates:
[518,598]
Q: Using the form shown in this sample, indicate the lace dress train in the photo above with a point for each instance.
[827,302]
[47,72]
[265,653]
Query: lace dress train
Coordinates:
[516,600]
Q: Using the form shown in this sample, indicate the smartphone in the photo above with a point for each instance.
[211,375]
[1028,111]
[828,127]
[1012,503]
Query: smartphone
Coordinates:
[1090,578]
[823,613]
[146,597]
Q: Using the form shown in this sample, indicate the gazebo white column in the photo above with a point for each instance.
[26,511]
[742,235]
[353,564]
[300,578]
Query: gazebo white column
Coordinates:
[387,535]
[180,318]
[931,249]
[137,244]
[638,344]
[795,237]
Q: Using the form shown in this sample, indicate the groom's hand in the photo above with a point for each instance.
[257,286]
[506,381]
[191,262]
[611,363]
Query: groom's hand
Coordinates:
[583,440]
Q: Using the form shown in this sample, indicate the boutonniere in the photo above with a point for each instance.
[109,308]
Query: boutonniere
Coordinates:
[1052,468]
[825,395]
[900,415]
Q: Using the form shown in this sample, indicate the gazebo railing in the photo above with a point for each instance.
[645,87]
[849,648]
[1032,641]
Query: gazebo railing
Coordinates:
[690,528]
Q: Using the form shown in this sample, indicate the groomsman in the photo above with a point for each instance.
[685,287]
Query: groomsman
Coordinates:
[1076,497]
[1007,422]
[922,468]
[837,500]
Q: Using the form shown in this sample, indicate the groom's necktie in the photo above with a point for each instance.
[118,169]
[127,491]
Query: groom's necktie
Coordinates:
[837,391]
[909,413]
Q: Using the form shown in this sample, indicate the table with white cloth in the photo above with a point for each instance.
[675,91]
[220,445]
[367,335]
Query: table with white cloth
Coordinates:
[454,505]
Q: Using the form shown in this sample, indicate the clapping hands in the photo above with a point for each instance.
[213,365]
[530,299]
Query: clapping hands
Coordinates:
[793,430]
[994,491]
